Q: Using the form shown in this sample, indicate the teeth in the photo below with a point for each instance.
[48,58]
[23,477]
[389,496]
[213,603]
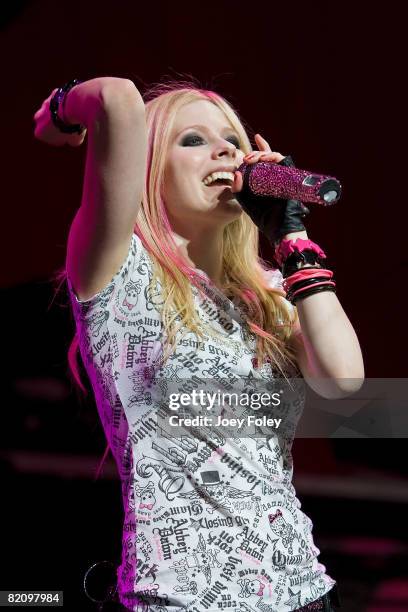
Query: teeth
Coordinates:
[218,175]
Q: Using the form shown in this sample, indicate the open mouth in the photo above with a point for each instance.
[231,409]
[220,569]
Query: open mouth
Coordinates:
[220,183]
[219,178]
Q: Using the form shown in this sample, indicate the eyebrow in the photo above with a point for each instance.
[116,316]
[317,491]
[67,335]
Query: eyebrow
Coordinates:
[205,129]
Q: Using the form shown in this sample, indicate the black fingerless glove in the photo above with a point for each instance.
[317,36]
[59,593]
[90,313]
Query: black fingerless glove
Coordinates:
[273,216]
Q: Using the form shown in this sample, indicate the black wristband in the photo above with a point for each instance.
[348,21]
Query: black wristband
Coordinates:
[307,282]
[311,291]
[297,260]
[55,101]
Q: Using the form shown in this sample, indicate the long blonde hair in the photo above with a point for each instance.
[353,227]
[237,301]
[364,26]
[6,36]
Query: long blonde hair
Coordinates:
[244,271]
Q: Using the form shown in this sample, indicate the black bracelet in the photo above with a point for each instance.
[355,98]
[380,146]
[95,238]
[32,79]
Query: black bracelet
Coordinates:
[311,291]
[307,291]
[297,260]
[307,283]
[59,96]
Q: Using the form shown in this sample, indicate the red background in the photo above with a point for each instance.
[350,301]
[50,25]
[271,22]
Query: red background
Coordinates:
[321,81]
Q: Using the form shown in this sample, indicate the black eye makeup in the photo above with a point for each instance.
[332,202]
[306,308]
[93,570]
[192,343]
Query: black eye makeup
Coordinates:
[191,140]
[194,140]
[234,141]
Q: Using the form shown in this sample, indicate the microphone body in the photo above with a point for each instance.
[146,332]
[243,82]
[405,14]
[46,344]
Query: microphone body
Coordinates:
[288,183]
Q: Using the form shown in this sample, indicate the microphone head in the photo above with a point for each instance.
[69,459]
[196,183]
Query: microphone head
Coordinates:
[330,191]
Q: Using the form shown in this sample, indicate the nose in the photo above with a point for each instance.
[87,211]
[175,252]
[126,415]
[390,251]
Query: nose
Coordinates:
[224,149]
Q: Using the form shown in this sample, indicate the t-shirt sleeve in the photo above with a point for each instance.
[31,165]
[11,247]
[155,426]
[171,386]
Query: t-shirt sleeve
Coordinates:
[99,301]
[274,280]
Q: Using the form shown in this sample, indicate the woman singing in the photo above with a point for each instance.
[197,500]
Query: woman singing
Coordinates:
[168,291]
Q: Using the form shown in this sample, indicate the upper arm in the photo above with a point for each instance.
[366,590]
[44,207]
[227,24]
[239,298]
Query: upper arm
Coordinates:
[101,231]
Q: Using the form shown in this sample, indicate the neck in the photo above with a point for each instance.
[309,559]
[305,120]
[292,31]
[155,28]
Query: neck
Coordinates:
[203,250]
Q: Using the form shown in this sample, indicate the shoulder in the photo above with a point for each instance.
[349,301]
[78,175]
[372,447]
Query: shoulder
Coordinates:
[296,341]
[273,278]
[131,266]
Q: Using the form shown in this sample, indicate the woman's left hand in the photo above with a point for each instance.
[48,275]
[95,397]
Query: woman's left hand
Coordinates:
[275,217]
[265,153]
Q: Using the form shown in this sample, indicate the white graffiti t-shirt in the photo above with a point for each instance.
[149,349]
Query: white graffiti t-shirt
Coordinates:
[210,522]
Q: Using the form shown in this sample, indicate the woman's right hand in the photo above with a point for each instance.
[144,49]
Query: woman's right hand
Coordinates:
[47,132]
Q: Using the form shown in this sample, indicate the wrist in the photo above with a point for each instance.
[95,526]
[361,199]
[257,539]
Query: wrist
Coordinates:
[295,235]
[80,104]
[56,107]
[291,254]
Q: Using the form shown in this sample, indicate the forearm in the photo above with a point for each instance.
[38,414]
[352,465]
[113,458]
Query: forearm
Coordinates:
[331,349]
[331,344]
[85,101]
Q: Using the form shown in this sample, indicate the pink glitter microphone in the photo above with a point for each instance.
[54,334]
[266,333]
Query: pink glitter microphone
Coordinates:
[286,183]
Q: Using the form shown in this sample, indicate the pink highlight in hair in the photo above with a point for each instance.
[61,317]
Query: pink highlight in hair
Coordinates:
[102,461]
[258,330]
[172,254]
[73,363]
[251,299]
[249,295]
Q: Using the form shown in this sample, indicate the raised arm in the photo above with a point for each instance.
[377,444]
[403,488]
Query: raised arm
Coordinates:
[99,238]
[100,234]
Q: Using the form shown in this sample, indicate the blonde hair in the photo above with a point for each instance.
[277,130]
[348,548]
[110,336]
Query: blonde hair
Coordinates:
[244,271]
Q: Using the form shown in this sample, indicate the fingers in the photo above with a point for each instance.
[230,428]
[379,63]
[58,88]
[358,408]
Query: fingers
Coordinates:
[75,140]
[52,93]
[46,101]
[238,182]
[274,156]
[262,144]
[257,156]
[264,154]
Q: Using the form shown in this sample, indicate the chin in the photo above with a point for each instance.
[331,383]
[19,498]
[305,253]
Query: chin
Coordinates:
[234,208]
[228,211]
[227,200]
